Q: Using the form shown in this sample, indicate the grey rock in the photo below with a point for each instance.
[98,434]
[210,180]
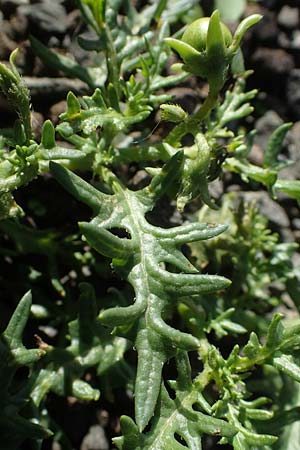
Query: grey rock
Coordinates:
[47,16]
[272,61]
[296,223]
[267,207]
[264,126]
[56,446]
[49,331]
[296,40]
[7,45]
[54,87]
[288,17]
[95,439]
[37,120]
[19,26]
[267,32]
[290,40]
[216,188]
[176,218]
[284,40]
[293,93]
[15,3]
[57,109]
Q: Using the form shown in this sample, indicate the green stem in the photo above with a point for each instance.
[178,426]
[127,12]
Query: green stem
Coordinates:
[26,118]
[209,103]
[191,124]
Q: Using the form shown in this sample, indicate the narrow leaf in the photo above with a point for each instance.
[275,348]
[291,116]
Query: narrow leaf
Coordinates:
[148,379]
[48,135]
[79,188]
[274,145]
[215,44]
[60,62]
[73,106]
[14,330]
[286,364]
[247,23]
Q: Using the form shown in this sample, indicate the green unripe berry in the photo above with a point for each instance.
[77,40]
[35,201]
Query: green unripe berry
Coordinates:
[207,48]
[196,34]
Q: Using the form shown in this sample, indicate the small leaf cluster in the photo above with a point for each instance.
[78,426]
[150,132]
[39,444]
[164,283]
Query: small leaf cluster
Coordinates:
[15,428]
[260,265]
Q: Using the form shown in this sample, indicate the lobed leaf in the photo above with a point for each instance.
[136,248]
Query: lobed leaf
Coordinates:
[141,261]
[175,417]
[14,330]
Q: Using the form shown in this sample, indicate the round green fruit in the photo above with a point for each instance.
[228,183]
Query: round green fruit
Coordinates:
[196,34]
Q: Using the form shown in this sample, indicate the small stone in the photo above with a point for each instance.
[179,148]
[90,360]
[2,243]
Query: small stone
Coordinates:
[267,207]
[56,446]
[141,177]
[37,120]
[216,188]
[7,45]
[54,88]
[265,126]
[296,40]
[273,60]
[6,3]
[53,42]
[95,439]
[293,93]
[272,67]
[47,16]
[57,109]
[48,331]
[267,31]
[19,26]
[296,223]
[284,41]
[288,17]
[290,40]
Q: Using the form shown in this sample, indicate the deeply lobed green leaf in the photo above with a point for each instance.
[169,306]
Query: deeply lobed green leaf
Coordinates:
[142,260]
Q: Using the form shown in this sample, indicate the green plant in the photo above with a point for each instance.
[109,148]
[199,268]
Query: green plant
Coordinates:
[170,304]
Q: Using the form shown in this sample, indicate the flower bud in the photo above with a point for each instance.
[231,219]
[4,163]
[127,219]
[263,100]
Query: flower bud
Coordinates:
[172,113]
[196,34]
[195,173]
[207,48]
